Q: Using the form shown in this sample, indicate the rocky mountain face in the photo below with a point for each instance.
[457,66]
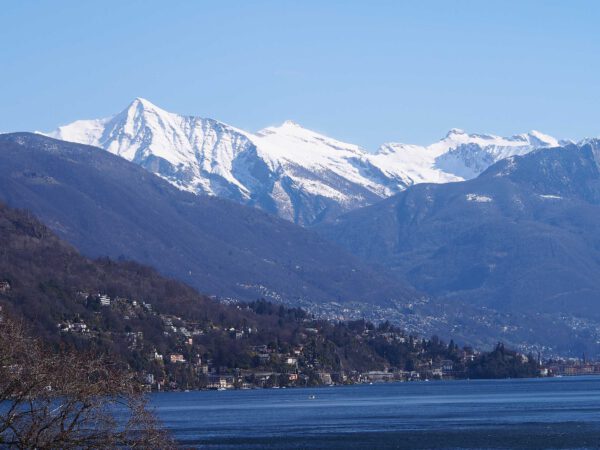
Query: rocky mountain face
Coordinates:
[521,239]
[294,173]
[107,206]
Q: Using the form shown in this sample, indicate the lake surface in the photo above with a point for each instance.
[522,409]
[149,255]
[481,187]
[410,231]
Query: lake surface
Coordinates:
[532,414]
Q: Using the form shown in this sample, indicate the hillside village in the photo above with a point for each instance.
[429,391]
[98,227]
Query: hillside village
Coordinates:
[174,338]
[175,353]
[206,355]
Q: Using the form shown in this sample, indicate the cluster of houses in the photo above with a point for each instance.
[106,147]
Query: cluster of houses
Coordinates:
[249,379]
[212,377]
[571,367]
[294,368]
[272,367]
[68,326]
[127,307]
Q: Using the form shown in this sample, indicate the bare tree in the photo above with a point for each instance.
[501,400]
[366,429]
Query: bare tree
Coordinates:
[68,400]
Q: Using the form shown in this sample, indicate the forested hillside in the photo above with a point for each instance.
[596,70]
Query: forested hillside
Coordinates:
[168,333]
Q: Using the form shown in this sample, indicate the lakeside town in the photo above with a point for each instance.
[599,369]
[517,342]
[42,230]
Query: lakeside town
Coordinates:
[190,356]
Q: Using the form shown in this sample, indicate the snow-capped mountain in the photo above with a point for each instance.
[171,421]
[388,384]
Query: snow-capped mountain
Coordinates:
[459,156]
[287,170]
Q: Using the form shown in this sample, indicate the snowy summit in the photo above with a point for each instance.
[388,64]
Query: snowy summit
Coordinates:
[288,170]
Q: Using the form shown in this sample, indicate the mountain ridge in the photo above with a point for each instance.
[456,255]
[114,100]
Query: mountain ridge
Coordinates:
[287,170]
[107,206]
[521,239]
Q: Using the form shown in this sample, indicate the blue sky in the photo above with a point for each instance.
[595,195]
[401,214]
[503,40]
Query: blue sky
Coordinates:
[365,72]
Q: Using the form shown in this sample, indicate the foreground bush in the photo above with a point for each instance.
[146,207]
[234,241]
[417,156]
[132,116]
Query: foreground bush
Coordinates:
[68,400]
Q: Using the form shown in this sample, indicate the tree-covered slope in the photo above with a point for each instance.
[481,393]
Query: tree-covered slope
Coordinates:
[519,245]
[522,236]
[162,328]
[107,206]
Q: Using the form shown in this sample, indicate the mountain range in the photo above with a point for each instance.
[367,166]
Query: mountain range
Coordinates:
[289,171]
[107,206]
[478,237]
[521,238]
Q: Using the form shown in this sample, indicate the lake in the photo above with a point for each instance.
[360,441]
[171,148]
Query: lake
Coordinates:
[532,414]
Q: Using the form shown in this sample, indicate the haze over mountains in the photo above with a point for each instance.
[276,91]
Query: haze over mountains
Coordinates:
[289,171]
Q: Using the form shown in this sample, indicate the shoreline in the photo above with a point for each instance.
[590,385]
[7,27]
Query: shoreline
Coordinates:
[376,383]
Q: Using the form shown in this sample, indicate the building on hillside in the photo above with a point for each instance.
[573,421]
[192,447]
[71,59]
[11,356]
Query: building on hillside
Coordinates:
[221,382]
[377,376]
[325,378]
[177,358]
[437,372]
[447,365]
[291,361]
[149,378]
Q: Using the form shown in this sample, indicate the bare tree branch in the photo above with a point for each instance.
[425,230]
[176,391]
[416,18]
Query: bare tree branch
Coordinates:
[69,400]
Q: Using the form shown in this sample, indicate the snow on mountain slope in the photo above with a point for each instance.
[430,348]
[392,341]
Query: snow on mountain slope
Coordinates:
[193,153]
[459,156]
[287,170]
[318,164]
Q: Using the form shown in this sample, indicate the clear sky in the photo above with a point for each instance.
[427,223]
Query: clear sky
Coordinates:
[366,72]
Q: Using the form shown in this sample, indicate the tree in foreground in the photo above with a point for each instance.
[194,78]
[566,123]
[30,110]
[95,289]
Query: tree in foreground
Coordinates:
[68,400]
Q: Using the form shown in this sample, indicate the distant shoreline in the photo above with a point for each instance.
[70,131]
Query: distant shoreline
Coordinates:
[376,383]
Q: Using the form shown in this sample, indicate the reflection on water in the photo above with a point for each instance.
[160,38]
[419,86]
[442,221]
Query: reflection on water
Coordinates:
[542,413]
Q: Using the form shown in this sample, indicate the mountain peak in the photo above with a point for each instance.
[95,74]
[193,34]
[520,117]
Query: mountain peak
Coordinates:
[455,132]
[287,127]
[290,123]
[328,175]
[141,104]
[544,138]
